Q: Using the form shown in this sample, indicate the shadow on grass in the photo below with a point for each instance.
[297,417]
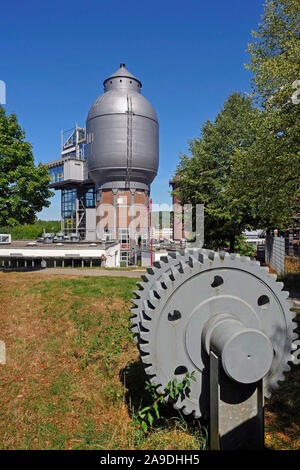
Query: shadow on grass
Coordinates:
[134,379]
[285,402]
[291,283]
[21,269]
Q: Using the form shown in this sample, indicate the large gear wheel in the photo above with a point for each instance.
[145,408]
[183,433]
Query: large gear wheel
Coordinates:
[149,281]
[181,293]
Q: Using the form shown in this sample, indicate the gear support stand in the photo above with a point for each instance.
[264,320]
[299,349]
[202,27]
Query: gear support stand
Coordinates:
[234,425]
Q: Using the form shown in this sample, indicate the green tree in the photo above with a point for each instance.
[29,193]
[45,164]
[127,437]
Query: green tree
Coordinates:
[269,170]
[275,53]
[23,186]
[204,178]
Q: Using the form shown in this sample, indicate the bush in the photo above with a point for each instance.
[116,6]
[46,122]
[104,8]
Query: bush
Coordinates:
[32,231]
[243,248]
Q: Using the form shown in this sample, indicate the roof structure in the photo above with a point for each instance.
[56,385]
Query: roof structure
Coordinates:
[122,72]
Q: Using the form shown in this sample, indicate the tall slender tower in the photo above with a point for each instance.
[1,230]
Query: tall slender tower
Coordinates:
[122,152]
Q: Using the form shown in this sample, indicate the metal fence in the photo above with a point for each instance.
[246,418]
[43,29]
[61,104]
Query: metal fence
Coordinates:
[275,253]
[282,255]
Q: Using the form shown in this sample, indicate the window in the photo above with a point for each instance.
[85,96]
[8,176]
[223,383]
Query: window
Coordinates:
[124,236]
[56,174]
[107,234]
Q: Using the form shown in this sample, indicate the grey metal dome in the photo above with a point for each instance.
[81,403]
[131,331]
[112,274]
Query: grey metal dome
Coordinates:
[122,135]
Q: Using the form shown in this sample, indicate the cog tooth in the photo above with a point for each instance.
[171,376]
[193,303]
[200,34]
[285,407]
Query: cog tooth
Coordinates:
[202,258]
[284,294]
[144,347]
[140,285]
[146,317]
[165,282]
[146,361]
[133,322]
[158,288]
[149,305]
[265,269]
[153,300]
[190,261]
[211,255]
[186,410]
[172,254]
[177,405]
[134,311]
[144,338]
[160,390]
[135,302]
[197,264]
[181,265]
[137,293]
[134,329]
[133,319]
[157,264]
[272,276]
[149,369]
[293,315]
[286,369]
[150,270]
[153,380]
[290,301]
[281,377]
[274,385]
[245,259]
[143,327]
[164,259]
[222,254]
[280,285]
[145,277]
[173,273]
[296,354]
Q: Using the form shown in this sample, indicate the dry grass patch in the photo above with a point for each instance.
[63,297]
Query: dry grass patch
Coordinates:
[68,342]
[73,378]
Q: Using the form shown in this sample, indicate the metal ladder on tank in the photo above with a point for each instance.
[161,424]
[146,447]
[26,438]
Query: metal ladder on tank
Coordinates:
[129,142]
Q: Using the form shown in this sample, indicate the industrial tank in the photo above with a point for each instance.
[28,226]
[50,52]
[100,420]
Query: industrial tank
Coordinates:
[122,135]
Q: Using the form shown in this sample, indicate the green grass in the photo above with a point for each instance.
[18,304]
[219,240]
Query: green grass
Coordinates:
[73,378]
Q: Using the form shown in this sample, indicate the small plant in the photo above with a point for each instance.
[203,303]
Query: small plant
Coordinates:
[173,391]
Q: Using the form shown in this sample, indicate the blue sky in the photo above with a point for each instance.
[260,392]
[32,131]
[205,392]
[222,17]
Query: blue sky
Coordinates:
[189,56]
